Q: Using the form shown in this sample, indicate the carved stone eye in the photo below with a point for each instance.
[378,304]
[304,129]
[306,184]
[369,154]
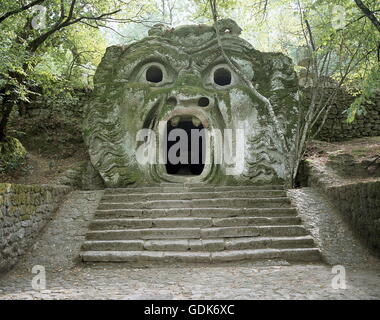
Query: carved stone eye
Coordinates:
[154,74]
[222,76]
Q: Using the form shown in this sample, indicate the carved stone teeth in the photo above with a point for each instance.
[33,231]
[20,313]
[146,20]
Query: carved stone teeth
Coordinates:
[196,121]
[174,121]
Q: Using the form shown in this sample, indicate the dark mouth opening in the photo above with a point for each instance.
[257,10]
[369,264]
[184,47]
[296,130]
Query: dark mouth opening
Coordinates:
[185,154]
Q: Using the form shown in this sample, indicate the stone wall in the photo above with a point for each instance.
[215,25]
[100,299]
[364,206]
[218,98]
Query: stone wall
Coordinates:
[336,127]
[24,210]
[359,203]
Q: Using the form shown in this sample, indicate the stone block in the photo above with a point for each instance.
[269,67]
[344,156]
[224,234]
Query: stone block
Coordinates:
[21,209]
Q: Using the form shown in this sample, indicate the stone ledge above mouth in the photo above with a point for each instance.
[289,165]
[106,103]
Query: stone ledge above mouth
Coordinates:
[198,116]
[177,119]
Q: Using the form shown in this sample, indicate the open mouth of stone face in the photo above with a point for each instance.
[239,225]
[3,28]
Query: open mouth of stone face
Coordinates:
[185,145]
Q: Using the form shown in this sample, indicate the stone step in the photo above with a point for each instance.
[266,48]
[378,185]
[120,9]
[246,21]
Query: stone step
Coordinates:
[191,188]
[194,222]
[189,222]
[203,185]
[200,203]
[299,254]
[176,184]
[235,188]
[200,245]
[198,233]
[194,212]
[122,197]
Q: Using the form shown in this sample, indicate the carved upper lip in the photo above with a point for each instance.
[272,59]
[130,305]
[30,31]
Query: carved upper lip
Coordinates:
[189,112]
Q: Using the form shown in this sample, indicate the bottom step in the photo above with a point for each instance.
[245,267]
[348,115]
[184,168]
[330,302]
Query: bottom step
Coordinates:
[304,255]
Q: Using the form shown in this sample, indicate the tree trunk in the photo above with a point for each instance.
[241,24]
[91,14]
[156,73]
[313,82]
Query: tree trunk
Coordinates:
[6,112]
[368,13]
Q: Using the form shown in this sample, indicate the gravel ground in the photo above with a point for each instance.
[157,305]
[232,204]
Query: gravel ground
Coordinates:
[67,278]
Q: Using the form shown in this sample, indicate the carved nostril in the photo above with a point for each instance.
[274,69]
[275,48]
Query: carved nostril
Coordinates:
[172,101]
[203,102]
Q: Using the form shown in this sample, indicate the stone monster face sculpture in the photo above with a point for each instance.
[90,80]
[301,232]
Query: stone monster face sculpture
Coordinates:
[178,78]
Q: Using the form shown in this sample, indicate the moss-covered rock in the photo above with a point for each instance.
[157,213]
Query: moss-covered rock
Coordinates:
[164,76]
[12,154]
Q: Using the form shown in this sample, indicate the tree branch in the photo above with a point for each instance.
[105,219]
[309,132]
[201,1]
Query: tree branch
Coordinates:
[310,34]
[370,15]
[21,9]
[279,130]
[70,20]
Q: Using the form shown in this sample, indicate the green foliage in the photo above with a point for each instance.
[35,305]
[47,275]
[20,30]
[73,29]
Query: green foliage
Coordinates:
[339,29]
[72,53]
[352,42]
[65,63]
[369,86]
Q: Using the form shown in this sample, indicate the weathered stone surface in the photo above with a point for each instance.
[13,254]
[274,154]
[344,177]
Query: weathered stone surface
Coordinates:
[243,227]
[24,210]
[269,279]
[332,233]
[12,153]
[358,202]
[336,127]
[186,62]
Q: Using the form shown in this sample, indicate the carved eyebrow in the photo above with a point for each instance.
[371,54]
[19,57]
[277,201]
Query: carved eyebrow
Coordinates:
[153,57]
[164,50]
[213,58]
[206,66]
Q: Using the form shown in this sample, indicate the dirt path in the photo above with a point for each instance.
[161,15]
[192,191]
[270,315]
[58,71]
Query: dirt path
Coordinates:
[41,170]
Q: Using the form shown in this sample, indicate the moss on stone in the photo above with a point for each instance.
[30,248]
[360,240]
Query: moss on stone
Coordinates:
[12,154]
[124,102]
[5,187]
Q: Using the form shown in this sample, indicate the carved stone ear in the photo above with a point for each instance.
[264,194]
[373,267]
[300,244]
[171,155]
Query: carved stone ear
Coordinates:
[228,26]
[158,30]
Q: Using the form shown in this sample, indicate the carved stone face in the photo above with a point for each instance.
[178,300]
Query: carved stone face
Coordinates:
[179,78]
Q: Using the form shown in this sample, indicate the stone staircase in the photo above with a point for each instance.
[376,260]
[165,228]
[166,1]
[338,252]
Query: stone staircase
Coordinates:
[197,223]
